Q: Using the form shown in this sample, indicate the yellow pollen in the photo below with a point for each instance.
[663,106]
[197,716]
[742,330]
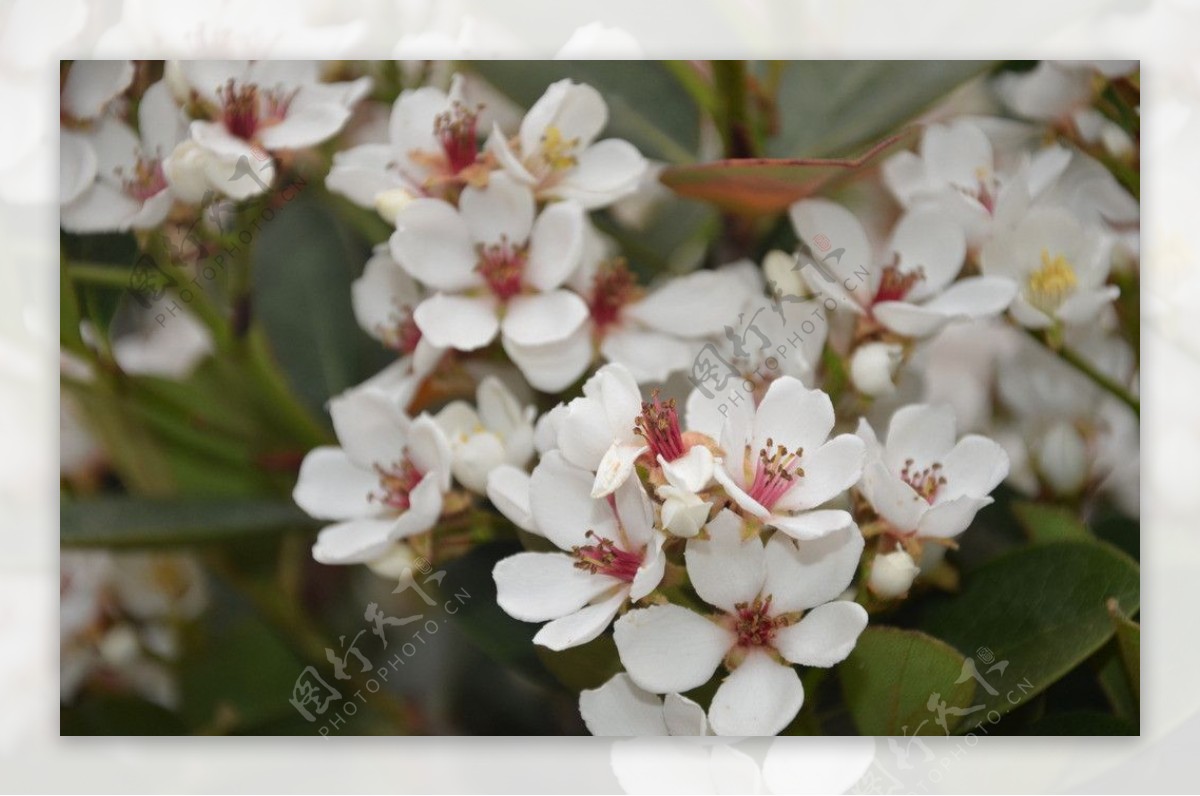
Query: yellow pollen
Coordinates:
[1053,282]
[557,151]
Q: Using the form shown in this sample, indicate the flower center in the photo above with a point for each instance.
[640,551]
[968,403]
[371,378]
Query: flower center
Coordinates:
[502,266]
[245,109]
[776,469]
[455,129]
[397,481]
[1051,283]
[658,424]
[753,623]
[896,284]
[402,334]
[613,286]
[603,557]
[558,153]
[147,179]
[925,483]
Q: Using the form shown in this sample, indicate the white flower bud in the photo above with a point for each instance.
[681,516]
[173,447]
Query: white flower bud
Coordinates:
[186,170]
[389,203]
[892,574]
[873,366]
[1062,459]
[683,512]
[780,269]
[177,82]
[120,645]
[392,564]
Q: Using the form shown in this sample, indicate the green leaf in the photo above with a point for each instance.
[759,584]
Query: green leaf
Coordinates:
[1129,644]
[829,108]
[112,714]
[304,262]
[1045,522]
[145,522]
[647,105]
[761,186]
[1082,722]
[1043,609]
[587,666]
[893,676]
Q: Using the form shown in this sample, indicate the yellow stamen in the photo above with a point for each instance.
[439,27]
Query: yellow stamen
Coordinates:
[1051,283]
[557,151]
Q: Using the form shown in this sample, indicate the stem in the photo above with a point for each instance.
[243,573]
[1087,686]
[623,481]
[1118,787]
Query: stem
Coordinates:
[1109,385]
[693,82]
[732,99]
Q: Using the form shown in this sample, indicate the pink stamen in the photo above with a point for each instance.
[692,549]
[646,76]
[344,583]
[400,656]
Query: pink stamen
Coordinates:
[774,473]
[147,179]
[658,424]
[896,284]
[403,334]
[925,483]
[502,266]
[753,623]
[605,558]
[613,287]
[455,130]
[245,110]
[397,481]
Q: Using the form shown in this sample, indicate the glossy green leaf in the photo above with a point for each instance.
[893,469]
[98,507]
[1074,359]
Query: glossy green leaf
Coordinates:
[146,522]
[1129,644]
[894,676]
[1045,522]
[1043,609]
[647,105]
[829,108]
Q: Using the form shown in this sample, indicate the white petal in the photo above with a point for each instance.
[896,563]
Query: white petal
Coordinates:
[635,512]
[354,542]
[305,126]
[77,165]
[563,509]
[371,427]
[683,716]
[946,520]
[726,569]
[825,636]
[620,708]
[501,211]
[576,110]
[615,467]
[729,482]
[554,366]
[669,649]
[956,153]
[459,322]
[827,228]
[582,626]
[649,356]
[537,587]
[508,489]
[555,245]
[433,244]
[650,573]
[424,510]
[891,497]
[925,239]
[413,117]
[1086,305]
[829,470]
[802,576]
[793,415]
[922,432]
[809,525]
[430,450]
[692,471]
[383,294]
[603,173]
[975,466]
[91,85]
[605,412]
[761,697]
[543,318]
[331,487]
[699,304]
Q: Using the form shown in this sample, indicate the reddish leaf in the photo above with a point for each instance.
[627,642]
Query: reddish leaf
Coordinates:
[763,186]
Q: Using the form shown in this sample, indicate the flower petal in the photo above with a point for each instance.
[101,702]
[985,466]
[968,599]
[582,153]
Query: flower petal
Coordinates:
[925,239]
[353,542]
[760,697]
[508,489]
[614,469]
[726,569]
[603,173]
[975,466]
[825,636]
[699,304]
[555,245]
[553,367]
[793,415]
[829,470]
[501,211]
[433,244]
[620,708]
[538,587]
[921,432]
[582,626]
[949,519]
[829,229]
[669,649]
[459,322]
[649,356]
[543,318]
[803,576]
[562,505]
[810,525]
[331,487]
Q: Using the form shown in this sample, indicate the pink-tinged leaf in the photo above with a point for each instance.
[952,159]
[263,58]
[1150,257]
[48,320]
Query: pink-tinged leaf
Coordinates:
[764,186]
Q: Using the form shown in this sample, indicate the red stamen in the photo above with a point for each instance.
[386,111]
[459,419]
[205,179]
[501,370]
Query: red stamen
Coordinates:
[658,424]
[502,266]
[774,473]
[397,481]
[605,558]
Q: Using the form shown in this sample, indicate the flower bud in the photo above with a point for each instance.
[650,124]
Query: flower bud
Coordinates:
[782,276]
[186,171]
[683,512]
[1062,459]
[872,367]
[892,574]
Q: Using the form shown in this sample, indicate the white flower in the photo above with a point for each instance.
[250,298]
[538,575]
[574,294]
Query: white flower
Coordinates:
[620,708]
[265,105]
[384,299]
[652,332]
[613,556]
[499,432]
[1058,266]
[778,466]
[910,288]
[432,149]
[556,152]
[608,428]
[873,366]
[892,574]
[497,270]
[384,483]
[89,91]
[129,188]
[774,603]
[920,481]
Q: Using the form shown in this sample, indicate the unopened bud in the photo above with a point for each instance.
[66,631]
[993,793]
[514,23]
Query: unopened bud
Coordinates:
[892,574]
[873,366]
